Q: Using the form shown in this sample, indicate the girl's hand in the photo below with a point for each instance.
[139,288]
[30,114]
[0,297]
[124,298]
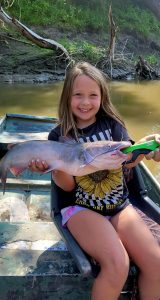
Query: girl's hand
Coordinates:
[36,165]
[129,164]
[155,155]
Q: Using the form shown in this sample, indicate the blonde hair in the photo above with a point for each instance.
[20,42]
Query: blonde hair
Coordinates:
[66,117]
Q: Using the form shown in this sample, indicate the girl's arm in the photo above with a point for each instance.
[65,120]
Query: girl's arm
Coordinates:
[65,181]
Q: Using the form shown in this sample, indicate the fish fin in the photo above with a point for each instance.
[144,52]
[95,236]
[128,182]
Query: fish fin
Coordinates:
[89,154]
[88,158]
[17,170]
[10,146]
[48,170]
[65,139]
[82,166]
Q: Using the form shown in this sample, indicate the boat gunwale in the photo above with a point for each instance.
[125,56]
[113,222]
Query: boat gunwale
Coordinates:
[150,175]
[31,117]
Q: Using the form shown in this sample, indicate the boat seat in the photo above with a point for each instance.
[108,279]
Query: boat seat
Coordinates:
[81,258]
[138,197]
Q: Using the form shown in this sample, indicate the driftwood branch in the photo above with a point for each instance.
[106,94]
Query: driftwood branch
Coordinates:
[113,30]
[8,3]
[5,37]
[32,36]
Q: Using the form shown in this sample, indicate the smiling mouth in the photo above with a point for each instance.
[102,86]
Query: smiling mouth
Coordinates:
[84,110]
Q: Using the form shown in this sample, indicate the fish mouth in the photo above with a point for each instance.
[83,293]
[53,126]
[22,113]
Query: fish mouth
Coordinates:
[121,147]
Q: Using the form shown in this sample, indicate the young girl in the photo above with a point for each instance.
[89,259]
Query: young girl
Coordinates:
[100,216]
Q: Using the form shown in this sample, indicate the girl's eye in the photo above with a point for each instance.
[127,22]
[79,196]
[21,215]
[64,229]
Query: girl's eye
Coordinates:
[93,95]
[77,94]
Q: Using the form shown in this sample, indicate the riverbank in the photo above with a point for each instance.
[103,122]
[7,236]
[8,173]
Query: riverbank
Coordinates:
[21,61]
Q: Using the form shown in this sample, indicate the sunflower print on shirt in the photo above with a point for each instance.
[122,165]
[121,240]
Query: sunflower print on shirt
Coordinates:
[101,183]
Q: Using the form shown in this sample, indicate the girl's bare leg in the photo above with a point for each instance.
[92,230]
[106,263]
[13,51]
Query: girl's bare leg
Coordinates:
[142,248]
[98,238]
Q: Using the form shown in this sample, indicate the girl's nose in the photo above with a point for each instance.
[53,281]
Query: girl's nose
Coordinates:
[85,100]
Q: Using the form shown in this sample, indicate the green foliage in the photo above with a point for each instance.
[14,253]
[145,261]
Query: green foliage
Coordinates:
[83,15]
[152,60]
[58,13]
[138,20]
[83,50]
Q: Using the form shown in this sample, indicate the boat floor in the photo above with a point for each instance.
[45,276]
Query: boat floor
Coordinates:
[34,260]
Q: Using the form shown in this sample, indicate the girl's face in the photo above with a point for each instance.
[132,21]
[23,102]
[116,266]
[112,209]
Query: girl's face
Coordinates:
[85,100]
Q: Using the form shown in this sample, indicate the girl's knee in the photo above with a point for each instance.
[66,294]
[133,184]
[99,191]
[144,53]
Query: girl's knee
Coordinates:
[115,275]
[115,268]
[120,268]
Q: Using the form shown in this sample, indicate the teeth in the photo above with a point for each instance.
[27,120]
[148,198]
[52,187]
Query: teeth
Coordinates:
[84,110]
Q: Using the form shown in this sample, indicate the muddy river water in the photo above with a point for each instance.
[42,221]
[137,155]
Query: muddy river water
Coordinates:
[138,103]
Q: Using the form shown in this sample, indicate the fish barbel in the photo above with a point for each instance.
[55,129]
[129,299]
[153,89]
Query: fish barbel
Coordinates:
[72,158]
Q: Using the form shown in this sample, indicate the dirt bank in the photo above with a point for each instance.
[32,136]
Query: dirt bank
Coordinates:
[22,62]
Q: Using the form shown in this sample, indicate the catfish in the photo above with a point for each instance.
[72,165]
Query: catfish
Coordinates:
[73,158]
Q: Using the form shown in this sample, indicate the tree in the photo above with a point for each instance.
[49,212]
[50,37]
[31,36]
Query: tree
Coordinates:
[113,30]
[32,36]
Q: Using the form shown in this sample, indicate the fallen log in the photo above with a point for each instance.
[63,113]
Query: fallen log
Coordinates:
[32,36]
[144,70]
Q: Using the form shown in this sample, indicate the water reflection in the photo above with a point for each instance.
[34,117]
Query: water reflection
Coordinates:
[30,99]
[138,103]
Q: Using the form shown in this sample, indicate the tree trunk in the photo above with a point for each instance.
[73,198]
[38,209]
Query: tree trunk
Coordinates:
[144,70]
[113,30]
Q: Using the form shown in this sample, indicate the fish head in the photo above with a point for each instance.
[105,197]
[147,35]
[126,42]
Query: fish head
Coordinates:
[94,149]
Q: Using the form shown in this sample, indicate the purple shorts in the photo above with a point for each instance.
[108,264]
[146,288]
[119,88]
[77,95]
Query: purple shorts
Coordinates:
[70,211]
